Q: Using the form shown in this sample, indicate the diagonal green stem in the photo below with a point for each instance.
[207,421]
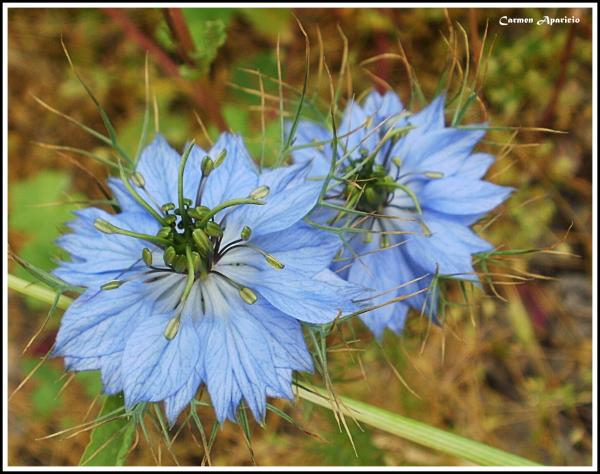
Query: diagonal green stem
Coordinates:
[413,430]
[392,423]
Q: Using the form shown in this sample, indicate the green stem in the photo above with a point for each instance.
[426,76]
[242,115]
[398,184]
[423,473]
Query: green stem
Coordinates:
[413,430]
[392,423]
[226,204]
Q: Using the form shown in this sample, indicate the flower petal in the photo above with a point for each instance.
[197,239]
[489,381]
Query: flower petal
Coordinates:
[158,367]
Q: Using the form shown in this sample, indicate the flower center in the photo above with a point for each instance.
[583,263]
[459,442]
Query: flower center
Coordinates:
[370,189]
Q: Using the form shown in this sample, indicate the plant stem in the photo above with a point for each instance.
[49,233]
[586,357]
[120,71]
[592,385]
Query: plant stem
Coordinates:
[413,430]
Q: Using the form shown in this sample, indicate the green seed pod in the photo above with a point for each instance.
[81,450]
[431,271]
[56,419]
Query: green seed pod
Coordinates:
[207,166]
[111,285]
[172,327]
[248,295]
[246,233]
[169,256]
[202,241]
[260,192]
[213,229]
[147,256]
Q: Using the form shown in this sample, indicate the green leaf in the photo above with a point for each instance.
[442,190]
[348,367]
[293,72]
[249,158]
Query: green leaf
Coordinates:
[110,442]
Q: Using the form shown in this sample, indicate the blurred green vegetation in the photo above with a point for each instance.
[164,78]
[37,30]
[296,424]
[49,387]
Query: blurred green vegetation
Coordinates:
[513,374]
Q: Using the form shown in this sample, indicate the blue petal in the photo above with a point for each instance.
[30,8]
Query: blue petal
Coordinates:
[353,134]
[300,247]
[383,107]
[98,257]
[283,208]
[475,166]
[456,195]
[447,250]
[431,118]
[100,322]
[318,155]
[177,402]
[236,177]
[155,366]
[443,150]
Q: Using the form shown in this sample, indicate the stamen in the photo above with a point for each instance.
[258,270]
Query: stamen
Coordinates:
[167,207]
[138,179]
[214,230]
[220,157]
[108,228]
[147,256]
[169,256]
[260,192]
[248,295]
[207,166]
[112,285]
[434,174]
[202,241]
[172,327]
[246,233]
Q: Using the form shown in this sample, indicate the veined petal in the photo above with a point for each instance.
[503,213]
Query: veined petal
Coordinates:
[312,144]
[456,195]
[475,166]
[156,366]
[237,176]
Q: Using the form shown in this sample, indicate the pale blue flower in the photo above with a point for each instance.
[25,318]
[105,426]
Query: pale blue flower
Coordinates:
[237,328]
[420,187]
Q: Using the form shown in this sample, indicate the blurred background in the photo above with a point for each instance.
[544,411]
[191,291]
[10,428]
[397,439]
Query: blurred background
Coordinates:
[513,368]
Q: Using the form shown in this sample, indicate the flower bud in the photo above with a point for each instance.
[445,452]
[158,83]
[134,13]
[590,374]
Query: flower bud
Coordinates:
[248,295]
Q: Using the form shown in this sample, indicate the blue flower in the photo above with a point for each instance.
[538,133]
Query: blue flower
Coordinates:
[416,186]
[209,289]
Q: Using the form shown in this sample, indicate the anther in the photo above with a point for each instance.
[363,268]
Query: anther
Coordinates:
[111,285]
[138,179]
[246,233]
[248,295]
[260,192]
[147,256]
[104,226]
[169,256]
[220,158]
[213,229]
[172,327]
[202,241]
[271,260]
[384,241]
[167,207]
[434,174]
[207,166]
